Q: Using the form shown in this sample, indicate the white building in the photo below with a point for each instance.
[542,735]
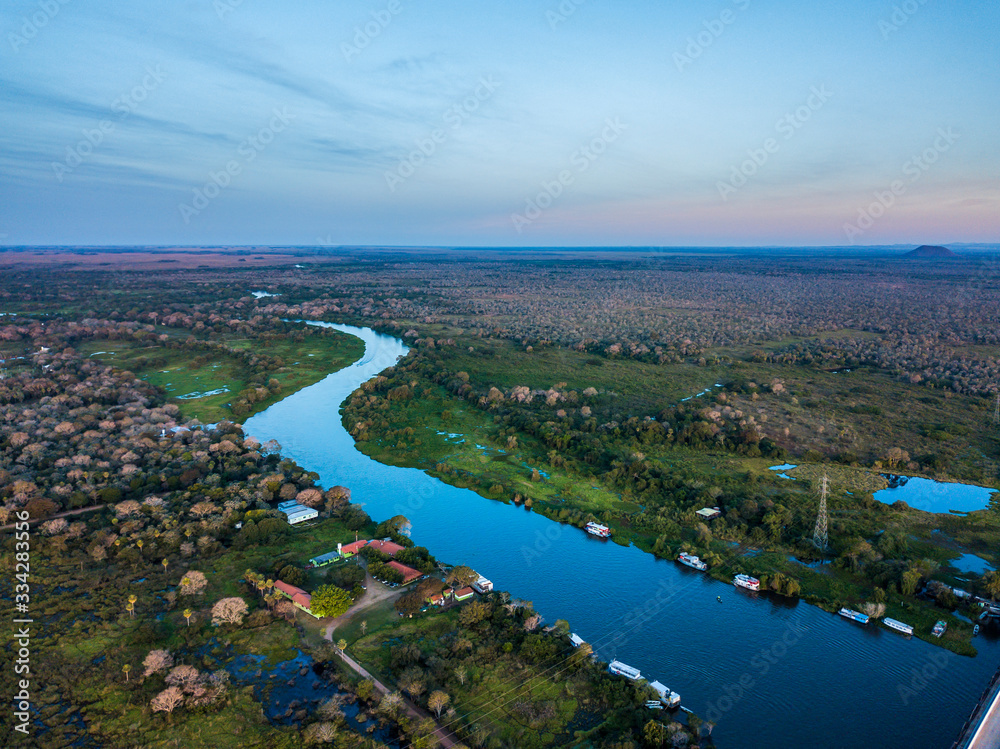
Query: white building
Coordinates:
[482,585]
[297,513]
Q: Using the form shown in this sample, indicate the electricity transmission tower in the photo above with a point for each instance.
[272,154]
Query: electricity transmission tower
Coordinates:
[820,535]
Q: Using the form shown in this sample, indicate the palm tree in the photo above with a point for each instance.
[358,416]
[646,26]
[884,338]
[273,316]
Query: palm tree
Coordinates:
[126,668]
[139,544]
[130,609]
[188,613]
[364,626]
[342,644]
[164,562]
[132,600]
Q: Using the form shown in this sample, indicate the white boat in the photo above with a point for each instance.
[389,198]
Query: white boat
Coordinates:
[899,626]
[745,581]
[667,697]
[856,616]
[617,667]
[596,529]
[975,630]
[691,561]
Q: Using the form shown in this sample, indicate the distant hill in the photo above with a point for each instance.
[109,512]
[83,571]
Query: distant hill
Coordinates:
[929,250]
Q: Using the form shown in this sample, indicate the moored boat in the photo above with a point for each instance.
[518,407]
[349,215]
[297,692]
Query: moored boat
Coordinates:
[899,626]
[667,697]
[596,529]
[745,581]
[940,628]
[617,667]
[691,560]
[853,615]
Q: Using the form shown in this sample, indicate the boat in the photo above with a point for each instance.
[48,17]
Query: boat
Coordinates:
[667,697]
[691,561]
[899,626]
[975,630]
[856,616]
[617,667]
[745,581]
[596,529]
[940,628]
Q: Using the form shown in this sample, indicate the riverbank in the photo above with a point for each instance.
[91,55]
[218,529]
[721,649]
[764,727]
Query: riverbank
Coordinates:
[457,443]
[665,619]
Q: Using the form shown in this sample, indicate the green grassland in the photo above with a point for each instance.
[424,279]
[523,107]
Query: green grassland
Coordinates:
[186,375]
[839,424]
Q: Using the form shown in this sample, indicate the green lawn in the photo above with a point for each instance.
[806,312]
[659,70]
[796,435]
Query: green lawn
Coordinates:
[203,384]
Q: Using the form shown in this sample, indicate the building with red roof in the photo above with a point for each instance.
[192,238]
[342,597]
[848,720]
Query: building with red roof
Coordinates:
[409,574]
[389,548]
[297,596]
[351,549]
[464,593]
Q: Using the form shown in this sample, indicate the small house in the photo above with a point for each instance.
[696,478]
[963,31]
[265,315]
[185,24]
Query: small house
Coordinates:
[464,594]
[297,513]
[709,513]
[324,559]
[351,549]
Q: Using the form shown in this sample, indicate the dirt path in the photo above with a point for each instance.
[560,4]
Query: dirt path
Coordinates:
[376,593]
[445,737]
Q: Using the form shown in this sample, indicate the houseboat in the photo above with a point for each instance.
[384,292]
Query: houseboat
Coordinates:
[691,560]
[899,626]
[853,615]
[745,581]
[667,697]
[596,529]
[617,667]
[940,628]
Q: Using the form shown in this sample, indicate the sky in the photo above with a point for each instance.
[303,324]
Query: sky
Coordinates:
[515,123]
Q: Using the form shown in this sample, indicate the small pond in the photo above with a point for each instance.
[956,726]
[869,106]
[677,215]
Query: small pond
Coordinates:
[935,496]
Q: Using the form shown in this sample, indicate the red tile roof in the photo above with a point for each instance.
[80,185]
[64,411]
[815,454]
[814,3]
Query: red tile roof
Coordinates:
[386,547]
[353,548]
[464,592]
[289,590]
[408,572]
[302,599]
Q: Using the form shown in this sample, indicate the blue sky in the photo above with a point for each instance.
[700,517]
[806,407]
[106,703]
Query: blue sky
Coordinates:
[731,122]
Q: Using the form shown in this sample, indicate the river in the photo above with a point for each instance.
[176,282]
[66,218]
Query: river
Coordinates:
[768,671]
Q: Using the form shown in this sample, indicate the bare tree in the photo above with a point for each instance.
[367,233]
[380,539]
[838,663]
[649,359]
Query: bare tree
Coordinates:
[156,661]
[229,611]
